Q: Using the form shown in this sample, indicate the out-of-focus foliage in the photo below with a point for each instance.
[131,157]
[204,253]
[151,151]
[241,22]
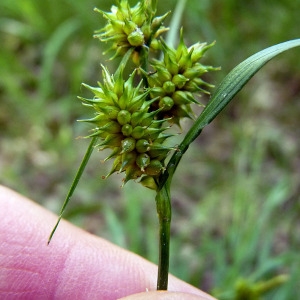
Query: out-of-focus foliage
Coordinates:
[235,194]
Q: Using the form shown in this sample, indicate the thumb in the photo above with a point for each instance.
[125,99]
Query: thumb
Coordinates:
[76,265]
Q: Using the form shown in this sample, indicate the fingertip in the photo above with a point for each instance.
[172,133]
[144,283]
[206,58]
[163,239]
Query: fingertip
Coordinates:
[164,295]
[76,264]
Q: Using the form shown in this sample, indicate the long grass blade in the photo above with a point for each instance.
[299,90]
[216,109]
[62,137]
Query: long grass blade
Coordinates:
[74,184]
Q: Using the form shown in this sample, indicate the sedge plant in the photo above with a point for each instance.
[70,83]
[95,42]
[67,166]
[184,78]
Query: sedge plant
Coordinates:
[134,116]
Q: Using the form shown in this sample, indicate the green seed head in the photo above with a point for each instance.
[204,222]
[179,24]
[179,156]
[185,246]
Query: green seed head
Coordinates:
[126,130]
[149,182]
[130,119]
[143,160]
[154,168]
[169,87]
[142,146]
[130,27]
[178,76]
[126,123]
[136,38]
[163,73]
[128,159]
[128,144]
[181,97]
[123,117]
[138,132]
[166,103]
[179,80]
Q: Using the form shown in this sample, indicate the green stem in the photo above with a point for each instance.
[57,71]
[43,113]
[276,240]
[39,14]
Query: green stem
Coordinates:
[163,206]
[270,284]
[175,23]
[144,62]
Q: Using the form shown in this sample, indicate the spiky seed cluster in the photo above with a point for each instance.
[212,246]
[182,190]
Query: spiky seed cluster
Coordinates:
[176,78]
[130,120]
[125,125]
[131,27]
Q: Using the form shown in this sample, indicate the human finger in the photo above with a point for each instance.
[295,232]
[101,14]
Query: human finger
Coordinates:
[76,265]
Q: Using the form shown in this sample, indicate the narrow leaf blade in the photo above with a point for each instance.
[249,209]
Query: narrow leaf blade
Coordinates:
[74,184]
[237,79]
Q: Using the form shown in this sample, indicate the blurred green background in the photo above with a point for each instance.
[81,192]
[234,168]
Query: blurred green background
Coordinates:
[236,192]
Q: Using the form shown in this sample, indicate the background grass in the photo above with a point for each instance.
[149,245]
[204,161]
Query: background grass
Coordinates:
[236,192]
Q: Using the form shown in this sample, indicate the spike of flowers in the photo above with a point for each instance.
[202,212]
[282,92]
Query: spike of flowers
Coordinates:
[125,125]
[177,78]
[128,119]
[131,27]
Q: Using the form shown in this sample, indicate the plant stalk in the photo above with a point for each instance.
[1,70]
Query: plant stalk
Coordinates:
[163,206]
[144,63]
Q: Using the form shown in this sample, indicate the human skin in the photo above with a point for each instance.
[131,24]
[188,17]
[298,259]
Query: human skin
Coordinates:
[76,264]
